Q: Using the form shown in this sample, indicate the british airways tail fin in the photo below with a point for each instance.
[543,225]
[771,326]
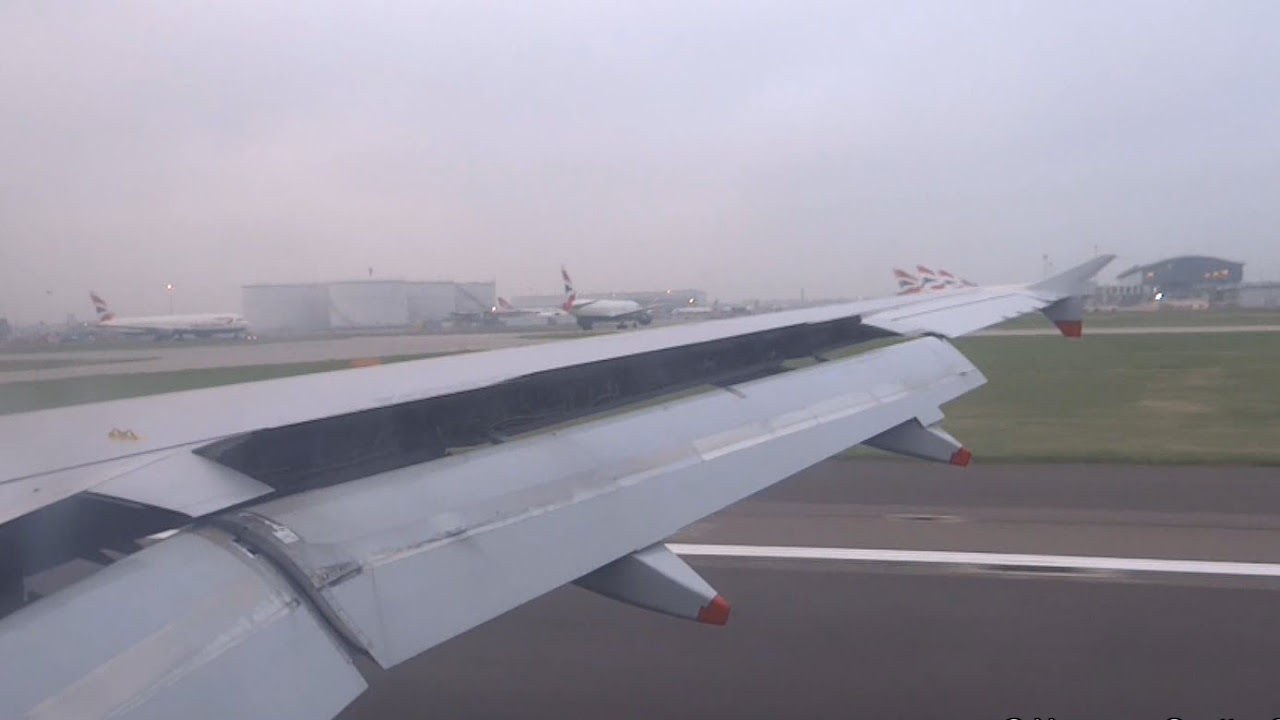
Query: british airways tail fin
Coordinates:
[952,281]
[927,279]
[569,295]
[100,306]
[907,283]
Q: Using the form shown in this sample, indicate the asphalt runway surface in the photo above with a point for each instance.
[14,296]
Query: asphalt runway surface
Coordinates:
[145,358]
[834,639]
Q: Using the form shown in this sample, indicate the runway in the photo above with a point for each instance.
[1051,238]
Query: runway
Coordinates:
[168,358]
[145,358]
[837,639]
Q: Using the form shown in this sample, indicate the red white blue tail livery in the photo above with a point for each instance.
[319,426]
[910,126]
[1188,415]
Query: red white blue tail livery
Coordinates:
[590,312]
[926,279]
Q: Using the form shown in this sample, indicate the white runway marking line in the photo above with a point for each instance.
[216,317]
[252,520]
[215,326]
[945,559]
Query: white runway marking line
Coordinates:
[983,559]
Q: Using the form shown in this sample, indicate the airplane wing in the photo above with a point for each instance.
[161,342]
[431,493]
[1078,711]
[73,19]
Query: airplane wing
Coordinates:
[375,513]
[961,310]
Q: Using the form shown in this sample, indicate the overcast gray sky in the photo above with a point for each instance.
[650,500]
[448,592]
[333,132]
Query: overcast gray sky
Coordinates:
[748,148]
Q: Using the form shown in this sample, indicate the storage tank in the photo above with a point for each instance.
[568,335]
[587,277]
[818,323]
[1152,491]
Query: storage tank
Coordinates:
[292,308]
[474,297]
[361,304]
[429,302]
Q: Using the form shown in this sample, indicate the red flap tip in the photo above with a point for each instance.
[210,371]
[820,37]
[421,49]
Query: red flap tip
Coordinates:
[1071,328]
[961,457]
[716,612]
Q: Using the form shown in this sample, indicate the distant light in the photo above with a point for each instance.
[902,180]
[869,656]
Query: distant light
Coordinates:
[168,286]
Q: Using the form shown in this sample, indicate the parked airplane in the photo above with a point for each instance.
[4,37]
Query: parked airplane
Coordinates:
[952,281]
[907,283]
[927,279]
[163,327]
[589,312]
[506,309]
[300,529]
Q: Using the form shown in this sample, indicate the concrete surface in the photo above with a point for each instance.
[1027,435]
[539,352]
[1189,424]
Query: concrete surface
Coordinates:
[145,358]
[823,639]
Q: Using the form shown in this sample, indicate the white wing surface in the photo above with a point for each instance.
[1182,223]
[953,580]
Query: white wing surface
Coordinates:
[393,564]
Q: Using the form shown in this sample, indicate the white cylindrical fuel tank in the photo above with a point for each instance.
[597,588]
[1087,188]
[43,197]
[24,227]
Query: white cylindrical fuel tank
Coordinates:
[286,308]
[474,297]
[368,304]
[430,301]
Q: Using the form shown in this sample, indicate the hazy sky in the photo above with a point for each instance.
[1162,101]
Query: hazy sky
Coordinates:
[748,148]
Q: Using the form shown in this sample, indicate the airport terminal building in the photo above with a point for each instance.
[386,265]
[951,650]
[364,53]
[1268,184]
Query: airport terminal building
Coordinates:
[363,304]
[1188,276]
[1206,280]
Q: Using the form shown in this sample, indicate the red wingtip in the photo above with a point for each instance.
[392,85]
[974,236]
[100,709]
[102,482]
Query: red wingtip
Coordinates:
[961,457]
[716,612]
[1071,328]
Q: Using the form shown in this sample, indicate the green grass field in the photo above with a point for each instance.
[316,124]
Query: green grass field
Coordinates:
[1162,318]
[1204,399]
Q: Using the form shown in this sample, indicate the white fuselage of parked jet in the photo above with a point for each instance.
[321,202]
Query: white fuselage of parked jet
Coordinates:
[169,326]
[506,309]
[605,309]
[172,325]
[589,312]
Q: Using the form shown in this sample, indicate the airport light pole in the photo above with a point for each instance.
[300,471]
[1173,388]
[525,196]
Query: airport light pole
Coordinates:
[168,288]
